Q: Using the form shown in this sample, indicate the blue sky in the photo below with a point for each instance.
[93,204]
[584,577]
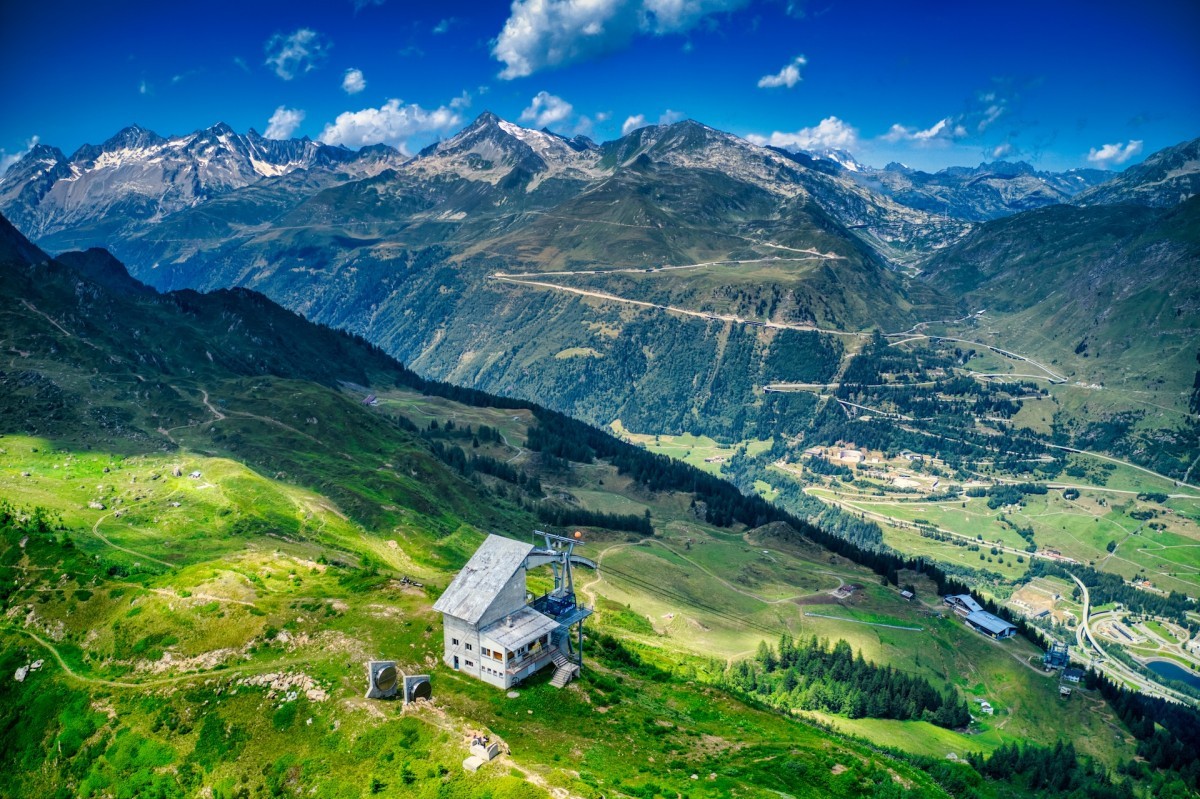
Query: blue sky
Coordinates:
[932,84]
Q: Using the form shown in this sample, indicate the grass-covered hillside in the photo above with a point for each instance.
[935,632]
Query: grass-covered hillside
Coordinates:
[206,532]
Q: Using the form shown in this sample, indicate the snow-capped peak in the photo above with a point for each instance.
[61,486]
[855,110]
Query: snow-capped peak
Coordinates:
[840,157]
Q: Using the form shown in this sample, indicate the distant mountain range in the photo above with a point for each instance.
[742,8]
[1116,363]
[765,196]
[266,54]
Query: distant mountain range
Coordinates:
[988,191]
[138,177]
[654,278]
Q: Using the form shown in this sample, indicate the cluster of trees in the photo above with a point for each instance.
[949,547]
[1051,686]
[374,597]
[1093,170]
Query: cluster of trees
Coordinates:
[564,516]
[802,357]
[1168,733]
[466,465]
[813,675]
[1011,493]
[1049,771]
[819,465]
[550,442]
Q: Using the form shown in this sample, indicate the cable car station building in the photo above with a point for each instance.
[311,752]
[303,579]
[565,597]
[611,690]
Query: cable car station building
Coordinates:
[493,633]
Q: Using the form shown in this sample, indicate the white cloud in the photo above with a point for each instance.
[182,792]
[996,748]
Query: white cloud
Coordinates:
[541,34]
[462,101]
[7,159]
[546,109]
[444,25]
[633,123]
[298,52]
[990,115]
[353,81]
[830,133]
[1002,150]
[283,123]
[392,123]
[639,121]
[789,76]
[241,64]
[143,87]
[1116,153]
[946,129]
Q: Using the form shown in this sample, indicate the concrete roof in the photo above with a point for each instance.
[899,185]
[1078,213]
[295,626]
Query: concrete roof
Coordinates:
[527,625]
[987,621]
[487,572]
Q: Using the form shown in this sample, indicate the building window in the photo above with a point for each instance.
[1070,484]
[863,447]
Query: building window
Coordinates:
[498,655]
[469,664]
[454,641]
[486,652]
[468,647]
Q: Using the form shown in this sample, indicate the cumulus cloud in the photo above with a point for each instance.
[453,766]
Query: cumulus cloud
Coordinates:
[945,129]
[639,121]
[542,34]
[7,159]
[1113,154]
[462,101]
[789,76]
[393,123]
[830,133]
[299,52]
[633,123]
[546,109]
[1003,150]
[283,123]
[353,81]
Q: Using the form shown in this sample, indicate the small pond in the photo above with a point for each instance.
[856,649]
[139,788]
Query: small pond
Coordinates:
[1173,671]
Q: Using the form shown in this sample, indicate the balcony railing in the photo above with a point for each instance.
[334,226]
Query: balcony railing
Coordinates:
[540,657]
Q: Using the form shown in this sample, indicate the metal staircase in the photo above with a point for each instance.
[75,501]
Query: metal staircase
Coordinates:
[564,670]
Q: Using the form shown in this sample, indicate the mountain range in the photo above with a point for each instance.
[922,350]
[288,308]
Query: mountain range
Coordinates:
[660,279]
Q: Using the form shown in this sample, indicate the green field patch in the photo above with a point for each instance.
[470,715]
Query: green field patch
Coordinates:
[577,352]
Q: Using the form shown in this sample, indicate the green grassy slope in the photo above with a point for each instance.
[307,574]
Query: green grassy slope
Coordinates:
[178,614]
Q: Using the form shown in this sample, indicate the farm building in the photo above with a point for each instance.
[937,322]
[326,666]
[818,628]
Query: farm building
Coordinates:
[978,618]
[493,633]
[963,604]
[986,623]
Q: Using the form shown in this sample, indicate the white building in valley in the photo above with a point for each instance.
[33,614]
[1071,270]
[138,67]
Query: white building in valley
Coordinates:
[494,632]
